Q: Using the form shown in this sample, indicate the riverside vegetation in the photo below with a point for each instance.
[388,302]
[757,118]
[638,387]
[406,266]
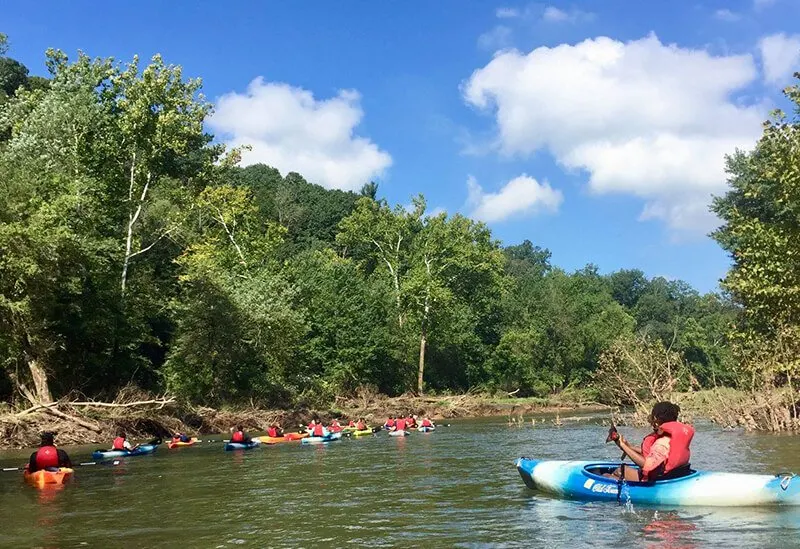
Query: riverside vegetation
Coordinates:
[137,258]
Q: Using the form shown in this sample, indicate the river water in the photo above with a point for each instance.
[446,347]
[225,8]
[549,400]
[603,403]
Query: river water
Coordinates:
[456,487]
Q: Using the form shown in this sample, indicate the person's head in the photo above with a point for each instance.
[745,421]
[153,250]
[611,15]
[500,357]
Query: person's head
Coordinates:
[48,438]
[664,412]
[239,428]
[122,434]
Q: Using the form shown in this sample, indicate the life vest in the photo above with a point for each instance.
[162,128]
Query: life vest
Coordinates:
[273,432]
[47,456]
[400,424]
[680,435]
[238,436]
[335,427]
[427,423]
[390,423]
[119,443]
[361,426]
[318,432]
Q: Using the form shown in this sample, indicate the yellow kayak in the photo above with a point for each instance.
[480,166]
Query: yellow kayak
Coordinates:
[361,433]
[178,444]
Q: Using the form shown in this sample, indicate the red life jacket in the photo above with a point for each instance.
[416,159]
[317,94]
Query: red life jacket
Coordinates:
[335,427]
[401,425]
[238,436]
[351,423]
[427,423]
[361,426]
[390,423]
[647,443]
[272,431]
[318,430]
[680,435]
[47,456]
[119,443]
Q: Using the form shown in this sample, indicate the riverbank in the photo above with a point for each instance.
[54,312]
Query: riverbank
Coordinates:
[146,416]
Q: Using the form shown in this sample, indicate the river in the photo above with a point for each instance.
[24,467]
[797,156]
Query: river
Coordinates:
[456,487]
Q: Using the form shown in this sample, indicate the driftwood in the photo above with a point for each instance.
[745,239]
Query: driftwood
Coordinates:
[78,421]
[161,402]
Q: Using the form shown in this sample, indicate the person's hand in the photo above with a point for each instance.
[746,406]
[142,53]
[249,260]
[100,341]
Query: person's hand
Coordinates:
[613,434]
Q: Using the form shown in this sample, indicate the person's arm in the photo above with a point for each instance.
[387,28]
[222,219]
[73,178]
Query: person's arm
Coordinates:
[63,459]
[32,468]
[633,452]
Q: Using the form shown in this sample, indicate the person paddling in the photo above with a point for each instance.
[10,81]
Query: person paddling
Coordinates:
[48,456]
[400,424]
[121,443]
[275,431]
[664,453]
[361,425]
[181,437]
[240,436]
[426,422]
[319,430]
[335,426]
[389,425]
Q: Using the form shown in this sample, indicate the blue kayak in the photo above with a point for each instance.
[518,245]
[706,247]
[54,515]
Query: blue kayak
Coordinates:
[140,451]
[242,445]
[330,437]
[583,480]
[426,429]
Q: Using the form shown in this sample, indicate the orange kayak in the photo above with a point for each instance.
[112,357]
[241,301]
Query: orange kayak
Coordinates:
[288,437]
[43,478]
[178,444]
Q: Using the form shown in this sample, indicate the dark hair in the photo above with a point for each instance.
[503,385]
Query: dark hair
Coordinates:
[239,428]
[121,434]
[48,438]
[664,412]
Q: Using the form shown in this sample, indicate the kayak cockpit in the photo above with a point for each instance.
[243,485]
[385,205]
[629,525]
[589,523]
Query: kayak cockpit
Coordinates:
[597,471]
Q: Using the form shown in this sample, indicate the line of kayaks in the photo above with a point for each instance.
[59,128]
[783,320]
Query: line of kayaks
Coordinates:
[585,480]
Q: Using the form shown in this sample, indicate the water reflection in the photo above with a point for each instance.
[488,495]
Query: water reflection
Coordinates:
[668,530]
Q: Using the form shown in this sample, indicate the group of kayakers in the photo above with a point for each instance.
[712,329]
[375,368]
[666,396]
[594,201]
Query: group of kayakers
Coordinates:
[403,423]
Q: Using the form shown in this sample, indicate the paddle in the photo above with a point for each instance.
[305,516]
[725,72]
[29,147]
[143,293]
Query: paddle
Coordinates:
[112,463]
[613,435]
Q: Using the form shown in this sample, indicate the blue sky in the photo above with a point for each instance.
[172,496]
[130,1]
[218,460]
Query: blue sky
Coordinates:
[595,129]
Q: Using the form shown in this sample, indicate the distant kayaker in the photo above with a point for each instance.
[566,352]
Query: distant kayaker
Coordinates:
[389,423]
[400,424]
[121,443]
[181,437]
[335,426]
[240,436]
[351,423]
[318,430]
[361,425]
[411,421]
[426,422]
[664,453]
[48,456]
[275,431]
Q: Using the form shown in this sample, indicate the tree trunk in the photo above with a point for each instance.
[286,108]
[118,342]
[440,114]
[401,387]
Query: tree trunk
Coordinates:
[423,340]
[39,376]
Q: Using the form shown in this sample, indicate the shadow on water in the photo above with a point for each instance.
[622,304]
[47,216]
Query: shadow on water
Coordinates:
[456,487]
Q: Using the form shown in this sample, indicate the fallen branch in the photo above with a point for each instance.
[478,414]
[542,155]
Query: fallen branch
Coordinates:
[62,415]
[91,404]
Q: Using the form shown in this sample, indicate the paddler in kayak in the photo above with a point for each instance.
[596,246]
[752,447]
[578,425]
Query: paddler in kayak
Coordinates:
[181,437]
[664,453]
[426,422]
[240,436]
[399,425]
[361,425]
[48,456]
[335,426]
[389,425]
[319,430]
[275,431]
[121,443]
[411,421]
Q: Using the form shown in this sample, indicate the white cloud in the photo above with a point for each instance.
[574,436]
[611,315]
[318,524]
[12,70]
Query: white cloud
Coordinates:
[640,117]
[291,130]
[506,13]
[552,14]
[520,195]
[727,15]
[497,38]
[780,55]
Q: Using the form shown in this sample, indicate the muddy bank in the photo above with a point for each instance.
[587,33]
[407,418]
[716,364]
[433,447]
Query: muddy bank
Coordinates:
[143,418]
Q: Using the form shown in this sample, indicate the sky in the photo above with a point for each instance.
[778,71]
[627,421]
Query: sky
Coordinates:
[595,129]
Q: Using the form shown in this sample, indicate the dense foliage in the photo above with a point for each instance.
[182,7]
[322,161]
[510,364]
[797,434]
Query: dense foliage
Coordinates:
[134,250]
[761,231]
